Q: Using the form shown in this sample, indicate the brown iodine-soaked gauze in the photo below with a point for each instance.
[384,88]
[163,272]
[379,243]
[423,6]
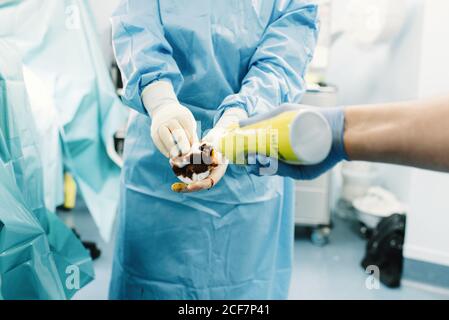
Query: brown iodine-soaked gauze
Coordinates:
[205,159]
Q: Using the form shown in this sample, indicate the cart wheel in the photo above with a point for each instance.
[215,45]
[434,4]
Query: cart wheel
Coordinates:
[320,236]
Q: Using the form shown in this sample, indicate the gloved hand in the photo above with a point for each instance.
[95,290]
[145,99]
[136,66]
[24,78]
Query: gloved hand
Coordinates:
[336,118]
[173,127]
[229,117]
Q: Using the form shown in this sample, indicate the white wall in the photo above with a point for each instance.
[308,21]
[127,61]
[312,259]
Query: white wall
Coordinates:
[381,73]
[428,220]
[415,65]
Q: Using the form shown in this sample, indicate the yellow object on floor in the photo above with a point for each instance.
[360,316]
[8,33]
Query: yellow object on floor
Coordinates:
[69,192]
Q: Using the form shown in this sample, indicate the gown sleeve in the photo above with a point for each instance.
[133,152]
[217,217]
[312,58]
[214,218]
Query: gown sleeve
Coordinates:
[276,70]
[142,52]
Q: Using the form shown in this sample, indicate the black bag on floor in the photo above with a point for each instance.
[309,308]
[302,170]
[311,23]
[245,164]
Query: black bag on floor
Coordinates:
[384,249]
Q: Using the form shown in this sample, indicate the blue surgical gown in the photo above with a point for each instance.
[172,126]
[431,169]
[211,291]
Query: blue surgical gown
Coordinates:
[234,241]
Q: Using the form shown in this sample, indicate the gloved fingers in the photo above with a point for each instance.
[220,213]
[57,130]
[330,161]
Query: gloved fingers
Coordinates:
[218,173]
[209,182]
[214,135]
[159,144]
[200,185]
[293,171]
[189,124]
[261,165]
[258,164]
[180,137]
[168,141]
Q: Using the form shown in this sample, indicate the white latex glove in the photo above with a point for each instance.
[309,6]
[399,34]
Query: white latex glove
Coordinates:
[231,116]
[173,127]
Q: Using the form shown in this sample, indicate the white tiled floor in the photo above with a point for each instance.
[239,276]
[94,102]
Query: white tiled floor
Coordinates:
[329,272]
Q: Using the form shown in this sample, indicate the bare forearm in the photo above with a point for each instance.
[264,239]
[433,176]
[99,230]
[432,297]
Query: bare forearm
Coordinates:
[408,133]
